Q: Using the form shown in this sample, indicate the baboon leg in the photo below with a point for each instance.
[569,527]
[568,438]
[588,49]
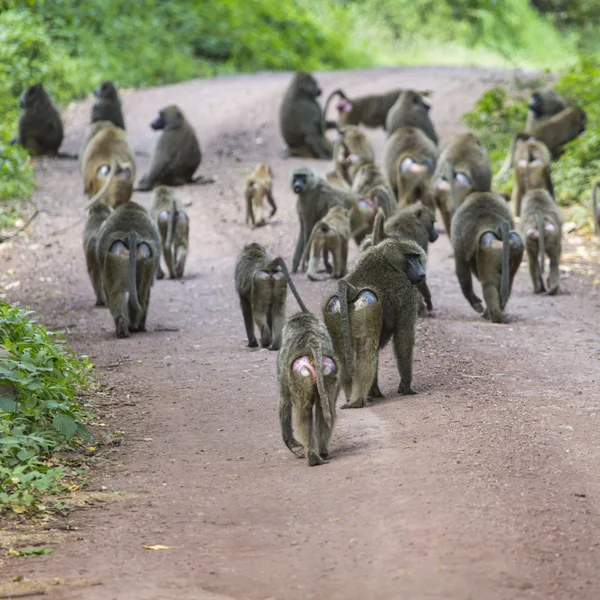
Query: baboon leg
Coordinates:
[446,218]
[180,258]
[424,289]
[144,283]
[160,274]
[278,308]
[271,202]
[338,261]
[248,322]
[115,286]
[95,274]
[317,249]
[463,272]
[492,303]
[322,430]
[316,146]
[302,241]
[375,392]
[262,294]
[366,371]
[404,341]
[554,277]
[328,267]
[534,267]
[168,254]
[304,423]
[285,418]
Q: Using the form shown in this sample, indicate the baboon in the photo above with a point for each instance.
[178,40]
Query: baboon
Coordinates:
[128,249]
[541,228]
[596,208]
[370,111]
[334,179]
[174,227]
[378,300]
[91,131]
[543,104]
[307,374]
[367,177]
[330,235]
[362,213]
[315,197]
[177,154]
[259,186]
[261,283]
[486,244]
[530,153]
[300,119]
[554,133]
[40,125]
[107,147]
[464,167]
[107,105]
[351,150]
[98,214]
[410,110]
[408,162]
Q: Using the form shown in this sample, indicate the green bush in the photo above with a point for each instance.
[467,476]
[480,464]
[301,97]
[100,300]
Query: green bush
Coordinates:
[40,379]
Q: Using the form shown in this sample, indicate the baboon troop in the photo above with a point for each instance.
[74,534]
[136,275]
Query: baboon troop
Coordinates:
[386,204]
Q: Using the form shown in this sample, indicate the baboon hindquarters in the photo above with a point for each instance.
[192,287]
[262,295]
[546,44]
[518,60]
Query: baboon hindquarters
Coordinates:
[268,296]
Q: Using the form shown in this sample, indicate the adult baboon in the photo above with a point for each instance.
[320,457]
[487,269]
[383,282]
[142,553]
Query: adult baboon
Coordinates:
[410,110]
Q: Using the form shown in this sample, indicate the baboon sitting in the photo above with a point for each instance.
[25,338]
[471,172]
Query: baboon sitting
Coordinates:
[107,105]
[543,105]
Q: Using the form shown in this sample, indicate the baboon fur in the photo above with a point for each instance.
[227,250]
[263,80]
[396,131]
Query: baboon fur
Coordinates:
[259,187]
[410,110]
[107,105]
[98,214]
[351,150]
[543,104]
[367,177]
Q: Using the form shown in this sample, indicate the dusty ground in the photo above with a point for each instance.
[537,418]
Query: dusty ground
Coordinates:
[483,486]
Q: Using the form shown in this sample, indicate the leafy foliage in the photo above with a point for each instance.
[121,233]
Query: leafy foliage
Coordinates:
[40,379]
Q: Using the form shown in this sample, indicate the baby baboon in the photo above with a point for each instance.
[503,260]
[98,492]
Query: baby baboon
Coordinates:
[596,208]
[98,214]
[109,146]
[375,302]
[366,178]
[530,153]
[261,283]
[351,150]
[107,106]
[174,227]
[330,235]
[128,249]
[40,125]
[544,103]
[541,228]
[464,167]
[177,154]
[259,187]
[410,110]
[315,197]
[408,162]
[485,243]
[301,119]
[307,373]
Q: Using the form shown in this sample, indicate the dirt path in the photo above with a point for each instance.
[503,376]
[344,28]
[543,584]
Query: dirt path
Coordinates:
[483,486]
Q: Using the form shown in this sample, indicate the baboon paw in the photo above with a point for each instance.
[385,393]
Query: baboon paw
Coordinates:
[253,344]
[275,346]
[406,390]
[160,275]
[314,459]
[359,403]
[478,307]
[100,303]
[553,291]
[297,449]
[375,392]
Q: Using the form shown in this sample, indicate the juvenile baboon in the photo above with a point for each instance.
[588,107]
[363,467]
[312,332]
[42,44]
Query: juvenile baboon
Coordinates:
[259,187]
[107,147]
[596,208]
[543,104]
[107,105]
[261,283]
[128,249]
[300,119]
[464,167]
[367,177]
[410,110]
[351,150]
[315,197]
[40,125]
[370,111]
[362,213]
[307,374]
[375,302]
[541,228]
[530,153]
[486,244]
[98,214]
[334,179]
[330,235]
[408,162]
[177,154]
[174,227]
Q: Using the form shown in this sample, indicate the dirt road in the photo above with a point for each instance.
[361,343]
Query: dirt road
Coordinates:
[484,486]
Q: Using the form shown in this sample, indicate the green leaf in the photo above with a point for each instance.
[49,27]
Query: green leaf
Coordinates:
[65,425]
[8,403]
[35,551]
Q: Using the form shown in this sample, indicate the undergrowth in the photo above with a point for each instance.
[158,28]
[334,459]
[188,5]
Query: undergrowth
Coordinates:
[40,381]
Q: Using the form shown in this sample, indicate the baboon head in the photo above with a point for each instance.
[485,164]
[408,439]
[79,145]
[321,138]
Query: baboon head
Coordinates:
[106,90]
[427,219]
[170,117]
[405,256]
[545,102]
[305,83]
[32,95]
[302,179]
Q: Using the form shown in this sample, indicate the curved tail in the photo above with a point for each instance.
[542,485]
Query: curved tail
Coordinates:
[281,263]
[134,304]
[171,224]
[337,92]
[539,219]
[504,276]
[324,398]
[102,191]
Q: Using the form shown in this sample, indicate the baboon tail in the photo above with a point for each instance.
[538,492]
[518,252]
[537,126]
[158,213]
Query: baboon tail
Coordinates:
[345,318]
[595,208]
[171,224]
[505,264]
[323,397]
[281,263]
[102,191]
[134,304]
[378,232]
[324,122]
[539,219]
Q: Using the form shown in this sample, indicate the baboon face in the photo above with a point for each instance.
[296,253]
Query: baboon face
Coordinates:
[106,90]
[31,94]
[170,117]
[301,180]
[307,84]
[414,271]
[535,104]
[427,218]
